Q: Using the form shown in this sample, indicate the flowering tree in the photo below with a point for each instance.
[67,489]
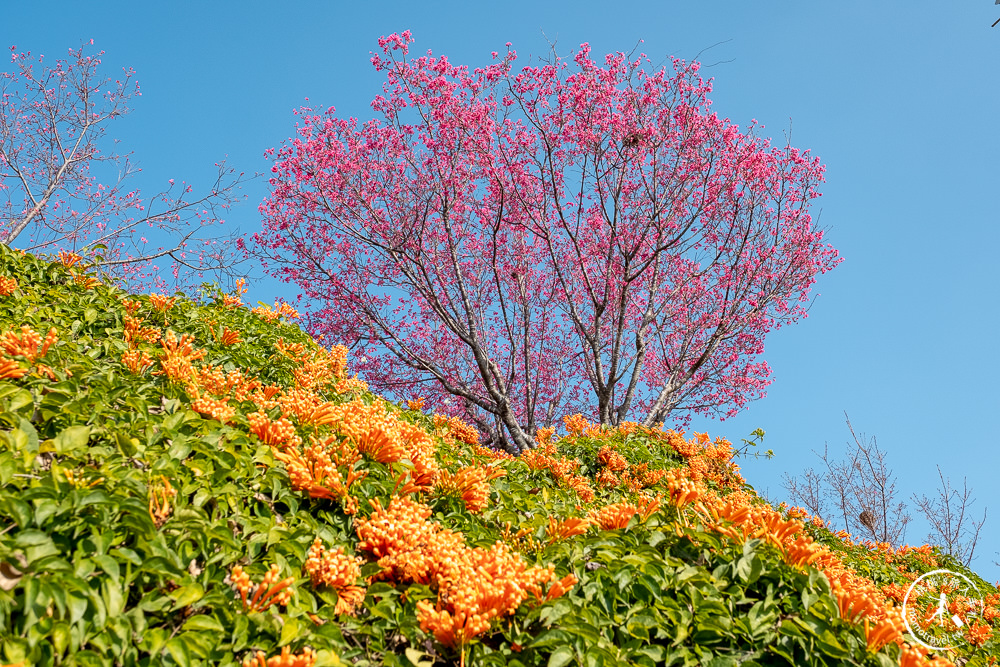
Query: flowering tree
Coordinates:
[521,246]
[52,196]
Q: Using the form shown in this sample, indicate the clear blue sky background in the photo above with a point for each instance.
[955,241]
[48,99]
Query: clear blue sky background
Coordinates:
[899,100]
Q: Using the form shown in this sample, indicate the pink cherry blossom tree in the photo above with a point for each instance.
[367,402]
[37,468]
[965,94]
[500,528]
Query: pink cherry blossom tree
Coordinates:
[519,246]
[61,190]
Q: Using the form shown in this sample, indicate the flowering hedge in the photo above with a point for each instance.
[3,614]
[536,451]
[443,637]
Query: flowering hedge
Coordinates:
[198,483]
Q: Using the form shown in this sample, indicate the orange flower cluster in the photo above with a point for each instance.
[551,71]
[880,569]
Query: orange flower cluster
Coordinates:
[616,472]
[915,656]
[217,382]
[265,313]
[471,484]
[978,634]
[137,361]
[279,434]
[28,345]
[682,489]
[707,459]
[563,469]
[83,280]
[68,259]
[324,470]
[544,435]
[337,570]
[387,439]
[457,429]
[417,404]
[178,355]
[136,333]
[229,336]
[576,425]
[617,515]
[162,302]
[160,501]
[474,585]
[234,300]
[272,590]
[217,409]
[7,286]
[567,528]
[287,659]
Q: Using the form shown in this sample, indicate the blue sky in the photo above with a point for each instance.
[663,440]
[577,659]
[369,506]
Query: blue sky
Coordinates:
[898,99]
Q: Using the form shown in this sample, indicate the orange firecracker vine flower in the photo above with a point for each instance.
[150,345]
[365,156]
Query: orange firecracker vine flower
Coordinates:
[457,429]
[565,529]
[160,501]
[83,280]
[234,300]
[29,344]
[475,586]
[265,313]
[416,404]
[214,408]
[471,484]
[278,434]
[339,571]
[11,370]
[7,286]
[68,259]
[162,302]
[272,590]
[287,659]
[618,515]
[137,361]
[324,470]
[136,333]
[885,631]
[178,355]
[229,336]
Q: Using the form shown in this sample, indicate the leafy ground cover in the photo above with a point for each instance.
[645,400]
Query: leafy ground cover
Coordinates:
[196,482]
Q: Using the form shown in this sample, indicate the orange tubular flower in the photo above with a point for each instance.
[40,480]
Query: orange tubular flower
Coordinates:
[161,302]
[278,434]
[885,631]
[10,370]
[178,355]
[137,361]
[613,517]
[565,529]
[7,286]
[160,497]
[338,571]
[68,259]
[234,300]
[417,404]
[229,337]
[29,344]
[471,484]
[287,659]
[216,409]
[270,591]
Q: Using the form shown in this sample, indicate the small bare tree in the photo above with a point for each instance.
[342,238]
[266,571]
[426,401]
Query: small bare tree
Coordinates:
[861,488]
[862,492]
[947,517]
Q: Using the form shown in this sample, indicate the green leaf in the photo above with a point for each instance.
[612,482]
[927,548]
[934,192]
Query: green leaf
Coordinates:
[71,439]
[187,595]
[561,656]
[204,622]
[178,650]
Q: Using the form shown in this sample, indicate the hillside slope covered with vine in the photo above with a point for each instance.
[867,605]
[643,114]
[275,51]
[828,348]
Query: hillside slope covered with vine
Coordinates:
[197,482]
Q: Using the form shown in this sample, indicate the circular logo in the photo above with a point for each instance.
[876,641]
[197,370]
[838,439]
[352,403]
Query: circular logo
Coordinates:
[939,606]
